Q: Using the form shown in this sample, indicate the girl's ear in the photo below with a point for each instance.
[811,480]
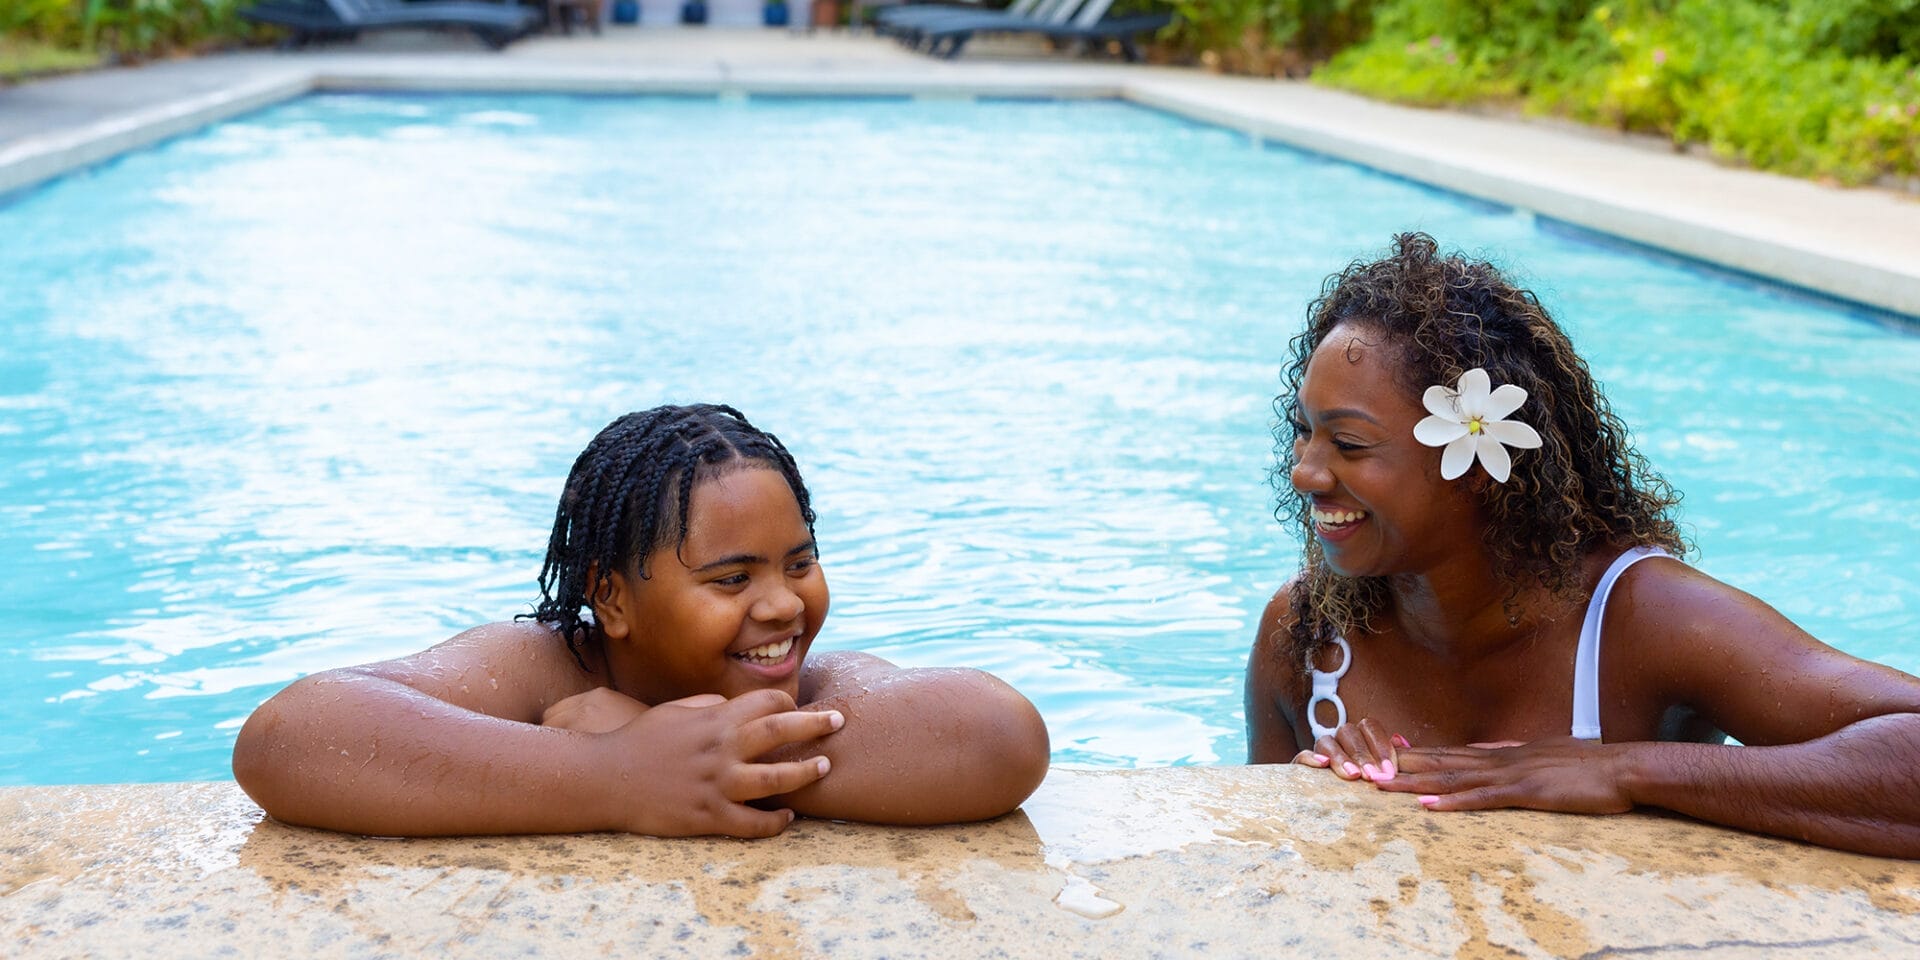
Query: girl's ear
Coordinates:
[612,604]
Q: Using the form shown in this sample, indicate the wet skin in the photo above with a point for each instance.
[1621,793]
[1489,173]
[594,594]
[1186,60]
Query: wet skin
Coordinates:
[683,722]
[1836,755]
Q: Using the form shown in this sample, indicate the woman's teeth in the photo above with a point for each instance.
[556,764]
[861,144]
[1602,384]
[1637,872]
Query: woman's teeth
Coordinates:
[1334,518]
[768,652]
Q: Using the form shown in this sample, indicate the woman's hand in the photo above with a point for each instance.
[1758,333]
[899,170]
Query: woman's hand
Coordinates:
[1361,750]
[689,767]
[1562,774]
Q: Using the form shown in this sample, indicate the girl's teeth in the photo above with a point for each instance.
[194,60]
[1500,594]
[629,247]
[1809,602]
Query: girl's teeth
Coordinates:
[1337,516]
[769,651]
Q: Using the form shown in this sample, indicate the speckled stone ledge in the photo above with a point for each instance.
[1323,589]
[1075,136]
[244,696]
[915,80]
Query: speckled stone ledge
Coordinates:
[1214,861]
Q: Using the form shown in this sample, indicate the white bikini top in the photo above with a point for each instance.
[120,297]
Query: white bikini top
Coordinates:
[1586,660]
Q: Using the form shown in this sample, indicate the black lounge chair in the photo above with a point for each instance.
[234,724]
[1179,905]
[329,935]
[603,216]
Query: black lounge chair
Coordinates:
[1089,26]
[907,18]
[496,24]
[914,25]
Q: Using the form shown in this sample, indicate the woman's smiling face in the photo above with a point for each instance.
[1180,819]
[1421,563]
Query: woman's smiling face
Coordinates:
[734,609]
[1379,504]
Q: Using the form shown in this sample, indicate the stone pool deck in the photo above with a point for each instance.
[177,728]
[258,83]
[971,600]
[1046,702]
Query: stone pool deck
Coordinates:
[1861,245]
[1215,861]
[1227,861]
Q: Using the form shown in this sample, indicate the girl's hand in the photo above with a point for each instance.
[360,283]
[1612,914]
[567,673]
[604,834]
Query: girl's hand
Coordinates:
[603,710]
[1562,774]
[1362,750]
[689,767]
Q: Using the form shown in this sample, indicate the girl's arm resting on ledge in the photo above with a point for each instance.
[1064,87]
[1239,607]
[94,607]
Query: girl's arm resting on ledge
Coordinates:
[447,742]
[922,746]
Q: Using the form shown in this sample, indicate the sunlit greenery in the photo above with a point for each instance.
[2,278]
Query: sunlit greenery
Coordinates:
[1813,87]
[87,31]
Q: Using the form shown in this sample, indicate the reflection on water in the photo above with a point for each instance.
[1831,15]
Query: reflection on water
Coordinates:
[299,391]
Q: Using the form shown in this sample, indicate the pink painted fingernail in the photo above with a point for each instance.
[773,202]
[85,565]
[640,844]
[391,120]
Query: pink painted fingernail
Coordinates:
[1352,771]
[1321,759]
[1428,801]
[1387,770]
[1400,741]
[1373,772]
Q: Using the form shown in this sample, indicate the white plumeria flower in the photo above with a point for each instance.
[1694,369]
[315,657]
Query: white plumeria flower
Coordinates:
[1470,420]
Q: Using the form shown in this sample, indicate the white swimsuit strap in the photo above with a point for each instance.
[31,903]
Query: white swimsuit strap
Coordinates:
[1326,689]
[1586,660]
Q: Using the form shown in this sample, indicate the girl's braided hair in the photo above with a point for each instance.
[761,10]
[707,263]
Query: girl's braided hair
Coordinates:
[1585,488]
[628,494]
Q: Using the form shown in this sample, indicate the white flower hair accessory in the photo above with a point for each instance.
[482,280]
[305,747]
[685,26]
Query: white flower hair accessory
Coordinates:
[1469,419]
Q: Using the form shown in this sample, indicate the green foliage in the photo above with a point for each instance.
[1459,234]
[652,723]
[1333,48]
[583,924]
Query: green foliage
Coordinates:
[1256,35]
[30,58]
[1811,87]
[126,28]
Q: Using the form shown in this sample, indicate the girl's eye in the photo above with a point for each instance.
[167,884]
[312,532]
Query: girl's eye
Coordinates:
[733,580]
[802,565]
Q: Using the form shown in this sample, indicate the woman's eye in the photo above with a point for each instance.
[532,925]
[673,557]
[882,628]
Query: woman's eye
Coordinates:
[733,580]
[1348,444]
[802,565]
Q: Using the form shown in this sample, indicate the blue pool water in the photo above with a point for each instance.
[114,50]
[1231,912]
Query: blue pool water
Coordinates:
[299,391]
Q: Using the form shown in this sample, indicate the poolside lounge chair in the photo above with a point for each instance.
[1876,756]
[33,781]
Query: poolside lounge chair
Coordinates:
[1089,26]
[496,24]
[902,18]
[913,25]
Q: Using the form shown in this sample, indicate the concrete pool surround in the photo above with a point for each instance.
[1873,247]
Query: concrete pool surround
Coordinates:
[1218,861]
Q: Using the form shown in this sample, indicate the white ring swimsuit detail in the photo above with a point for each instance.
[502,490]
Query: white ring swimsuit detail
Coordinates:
[1586,661]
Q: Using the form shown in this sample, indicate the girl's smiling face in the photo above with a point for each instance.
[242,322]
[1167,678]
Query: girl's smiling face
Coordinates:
[733,610]
[1379,504]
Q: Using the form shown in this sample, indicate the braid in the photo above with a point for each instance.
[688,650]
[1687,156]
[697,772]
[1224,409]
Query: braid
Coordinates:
[628,494]
[1586,487]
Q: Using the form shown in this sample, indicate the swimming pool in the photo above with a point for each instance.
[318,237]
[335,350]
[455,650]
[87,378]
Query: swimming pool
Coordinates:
[300,390]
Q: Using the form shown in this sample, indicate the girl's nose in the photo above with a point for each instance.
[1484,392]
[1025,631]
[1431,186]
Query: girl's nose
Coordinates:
[778,605]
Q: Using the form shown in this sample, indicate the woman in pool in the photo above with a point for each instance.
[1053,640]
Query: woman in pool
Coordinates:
[654,689]
[1475,522]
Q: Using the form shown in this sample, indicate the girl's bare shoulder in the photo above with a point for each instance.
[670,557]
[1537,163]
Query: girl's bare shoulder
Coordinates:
[513,669]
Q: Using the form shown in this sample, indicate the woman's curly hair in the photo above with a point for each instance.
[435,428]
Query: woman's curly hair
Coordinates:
[1584,489]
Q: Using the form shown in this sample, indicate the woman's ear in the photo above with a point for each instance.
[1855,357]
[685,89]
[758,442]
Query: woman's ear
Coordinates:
[612,603]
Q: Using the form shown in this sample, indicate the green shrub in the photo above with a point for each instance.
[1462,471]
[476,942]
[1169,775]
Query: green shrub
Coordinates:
[126,28]
[1811,87]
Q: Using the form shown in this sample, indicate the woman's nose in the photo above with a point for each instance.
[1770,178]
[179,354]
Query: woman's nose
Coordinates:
[1308,475]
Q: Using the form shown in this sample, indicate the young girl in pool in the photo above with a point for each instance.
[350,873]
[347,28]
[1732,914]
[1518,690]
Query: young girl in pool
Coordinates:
[654,689]
[1491,609]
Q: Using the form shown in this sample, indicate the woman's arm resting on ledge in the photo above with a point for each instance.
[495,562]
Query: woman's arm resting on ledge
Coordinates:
[1833,753]
[1855,789]
[923,746]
